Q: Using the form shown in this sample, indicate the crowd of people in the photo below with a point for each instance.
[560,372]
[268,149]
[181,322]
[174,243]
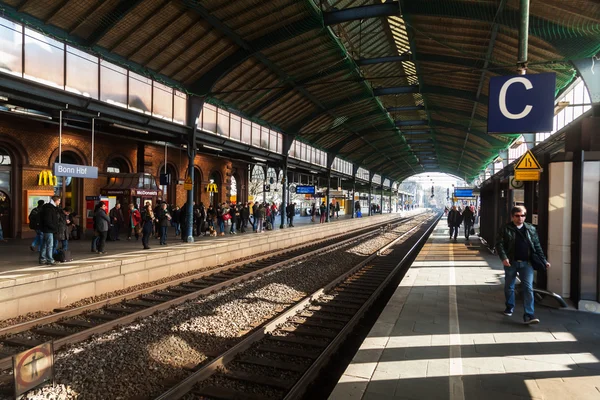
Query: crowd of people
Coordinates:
[55,226]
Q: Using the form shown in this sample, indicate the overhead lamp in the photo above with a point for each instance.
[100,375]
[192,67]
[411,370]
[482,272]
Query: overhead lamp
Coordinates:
[129,128]
[561,105]
[29,113]
[211,147]
[497,159]
[3,98]
[516,144]
[259,159]
[313,172]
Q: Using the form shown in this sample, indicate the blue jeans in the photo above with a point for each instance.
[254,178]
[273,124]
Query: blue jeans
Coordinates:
[221,226]
[525,271]
[1,233]
[46,249]
[39,236]
[163,234]
[64,243]
[178,229]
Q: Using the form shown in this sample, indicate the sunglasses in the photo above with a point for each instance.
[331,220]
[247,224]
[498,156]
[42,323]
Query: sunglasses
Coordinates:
[520,215]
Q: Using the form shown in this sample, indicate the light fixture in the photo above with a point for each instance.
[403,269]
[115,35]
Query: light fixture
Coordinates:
[259,159]
[516,144]
[313,172]
[211,147]
[3,98]
[29,113]
[497,159]
[129,128]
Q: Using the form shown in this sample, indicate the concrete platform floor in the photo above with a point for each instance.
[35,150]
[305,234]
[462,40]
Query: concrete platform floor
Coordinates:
[443,336]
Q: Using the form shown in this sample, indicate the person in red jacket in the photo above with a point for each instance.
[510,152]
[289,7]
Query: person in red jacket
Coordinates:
[135,218]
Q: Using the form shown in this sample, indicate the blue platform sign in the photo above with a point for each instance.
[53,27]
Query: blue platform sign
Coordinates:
[521,104]
[305,189]
[75,171]
[463,192]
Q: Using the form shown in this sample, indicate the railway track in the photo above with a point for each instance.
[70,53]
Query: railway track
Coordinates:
[69,326]
[282,358]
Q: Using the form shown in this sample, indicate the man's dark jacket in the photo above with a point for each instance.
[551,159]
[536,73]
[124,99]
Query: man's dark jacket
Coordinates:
[454,218]
[505,241]
[49,218]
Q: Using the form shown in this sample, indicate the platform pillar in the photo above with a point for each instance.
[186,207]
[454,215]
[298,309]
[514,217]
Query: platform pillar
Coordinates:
[194,107]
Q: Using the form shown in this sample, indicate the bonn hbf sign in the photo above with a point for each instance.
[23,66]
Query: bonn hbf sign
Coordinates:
[75,171]
[521,104]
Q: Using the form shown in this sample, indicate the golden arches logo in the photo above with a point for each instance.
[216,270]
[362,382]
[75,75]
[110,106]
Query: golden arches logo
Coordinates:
[212,188]
[47,178]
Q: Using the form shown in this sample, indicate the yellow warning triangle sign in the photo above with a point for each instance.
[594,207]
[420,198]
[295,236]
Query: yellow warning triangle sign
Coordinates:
[528,161]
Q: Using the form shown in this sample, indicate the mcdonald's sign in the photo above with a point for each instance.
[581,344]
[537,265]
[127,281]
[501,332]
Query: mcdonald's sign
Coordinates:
[47,179]
[212,188]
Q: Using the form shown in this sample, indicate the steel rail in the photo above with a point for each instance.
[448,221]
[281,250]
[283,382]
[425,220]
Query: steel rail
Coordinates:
[185,386]
[76,337]
[310,375]
[48,319]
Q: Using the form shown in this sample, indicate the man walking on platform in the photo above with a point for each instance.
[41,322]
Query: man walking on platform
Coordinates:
[515,244]
[454,220]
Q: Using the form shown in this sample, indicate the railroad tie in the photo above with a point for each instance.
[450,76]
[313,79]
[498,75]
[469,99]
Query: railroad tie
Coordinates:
[77,323]
[226,394]
[265,362]
[259,379]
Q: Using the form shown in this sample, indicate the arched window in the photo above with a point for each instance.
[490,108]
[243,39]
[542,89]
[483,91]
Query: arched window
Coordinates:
[170,191]
[5,169]
[68,188]
[234,190]
[117,166]
[256,183]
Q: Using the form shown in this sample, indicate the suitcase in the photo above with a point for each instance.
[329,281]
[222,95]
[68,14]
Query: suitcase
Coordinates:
[63,256]
[358,214]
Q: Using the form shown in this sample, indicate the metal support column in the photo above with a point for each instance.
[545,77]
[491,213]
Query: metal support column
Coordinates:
[287,144]
[194,107]
[352,204]
[328,197]
[523,37]
[381,199]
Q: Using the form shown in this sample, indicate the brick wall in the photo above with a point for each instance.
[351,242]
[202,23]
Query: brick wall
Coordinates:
[36,146]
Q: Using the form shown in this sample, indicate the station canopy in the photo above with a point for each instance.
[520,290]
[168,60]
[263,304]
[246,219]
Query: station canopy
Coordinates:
[398,88]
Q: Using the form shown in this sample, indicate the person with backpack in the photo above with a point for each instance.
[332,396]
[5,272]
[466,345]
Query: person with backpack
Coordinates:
[34,224]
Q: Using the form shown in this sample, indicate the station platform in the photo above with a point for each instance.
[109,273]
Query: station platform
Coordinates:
[27,287]
[443,335]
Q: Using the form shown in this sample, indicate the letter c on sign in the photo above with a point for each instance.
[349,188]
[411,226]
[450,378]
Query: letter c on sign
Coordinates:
[502,99]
